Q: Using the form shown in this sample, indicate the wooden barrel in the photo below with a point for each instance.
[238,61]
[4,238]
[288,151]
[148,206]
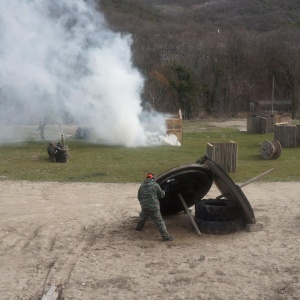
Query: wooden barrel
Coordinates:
[286,135]
[262,124]
[253,124]
[267,124]
[224,154]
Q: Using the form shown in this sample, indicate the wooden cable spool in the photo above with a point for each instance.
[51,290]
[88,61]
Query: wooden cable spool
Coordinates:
[270,150]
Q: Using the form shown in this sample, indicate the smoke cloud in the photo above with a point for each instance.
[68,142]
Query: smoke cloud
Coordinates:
[58,58]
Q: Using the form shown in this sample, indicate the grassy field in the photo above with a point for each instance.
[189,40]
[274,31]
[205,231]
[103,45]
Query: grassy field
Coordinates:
[99,163]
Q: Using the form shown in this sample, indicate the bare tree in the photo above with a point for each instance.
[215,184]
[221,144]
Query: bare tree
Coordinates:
[156,87]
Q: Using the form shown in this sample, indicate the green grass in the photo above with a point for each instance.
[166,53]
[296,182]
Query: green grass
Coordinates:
[99,163]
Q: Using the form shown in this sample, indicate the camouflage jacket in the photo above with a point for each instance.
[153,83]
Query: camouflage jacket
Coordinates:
[149,193]
[51,150]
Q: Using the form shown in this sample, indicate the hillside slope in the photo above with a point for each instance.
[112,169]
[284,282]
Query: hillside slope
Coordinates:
[261,15]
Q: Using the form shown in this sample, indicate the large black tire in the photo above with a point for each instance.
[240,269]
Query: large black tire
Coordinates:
[231,190]
[219,227]
[217,210]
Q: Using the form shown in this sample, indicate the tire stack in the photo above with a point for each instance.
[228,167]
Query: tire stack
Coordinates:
[218,216]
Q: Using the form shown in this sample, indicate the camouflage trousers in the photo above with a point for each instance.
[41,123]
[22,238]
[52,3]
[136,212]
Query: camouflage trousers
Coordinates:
[155,215]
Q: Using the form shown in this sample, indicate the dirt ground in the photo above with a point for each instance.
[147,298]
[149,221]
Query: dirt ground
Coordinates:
[81,238]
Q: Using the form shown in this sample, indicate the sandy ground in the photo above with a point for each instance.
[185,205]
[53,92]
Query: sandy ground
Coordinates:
[81,237]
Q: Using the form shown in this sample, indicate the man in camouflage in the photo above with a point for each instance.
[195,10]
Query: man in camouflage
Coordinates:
[148,195]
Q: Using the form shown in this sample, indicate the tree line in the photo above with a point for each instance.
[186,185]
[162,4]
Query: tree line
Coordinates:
[209,68]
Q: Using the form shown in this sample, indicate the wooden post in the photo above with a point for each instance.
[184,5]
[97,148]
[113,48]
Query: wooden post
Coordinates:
[180,114]
[62,141]
[298,134]
[189,213]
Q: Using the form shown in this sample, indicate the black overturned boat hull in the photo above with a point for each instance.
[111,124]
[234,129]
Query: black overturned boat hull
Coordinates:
[192,181]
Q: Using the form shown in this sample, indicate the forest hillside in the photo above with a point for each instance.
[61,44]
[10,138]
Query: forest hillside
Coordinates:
[217,57]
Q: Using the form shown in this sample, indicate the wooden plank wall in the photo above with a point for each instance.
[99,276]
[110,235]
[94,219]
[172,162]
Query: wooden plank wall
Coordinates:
[174,125]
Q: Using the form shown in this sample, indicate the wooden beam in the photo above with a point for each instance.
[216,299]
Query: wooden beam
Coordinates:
[51,294]
[256,178]
[189,213]
[180,114]
[249,181]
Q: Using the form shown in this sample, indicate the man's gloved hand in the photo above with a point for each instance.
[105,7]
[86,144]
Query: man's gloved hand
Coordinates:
[170,186]
[166,188]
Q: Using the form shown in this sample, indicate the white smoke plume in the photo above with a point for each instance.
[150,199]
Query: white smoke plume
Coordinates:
[59,58]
